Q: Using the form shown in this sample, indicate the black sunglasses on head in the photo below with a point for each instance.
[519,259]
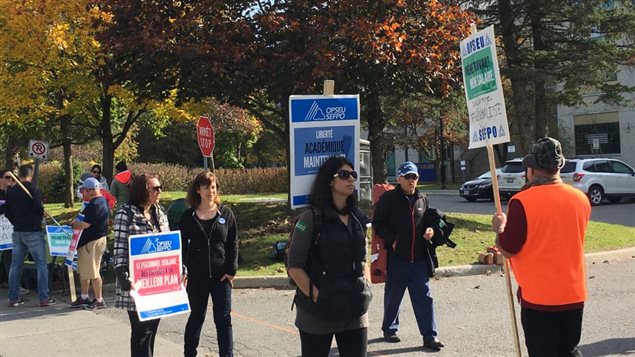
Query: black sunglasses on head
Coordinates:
[345,174]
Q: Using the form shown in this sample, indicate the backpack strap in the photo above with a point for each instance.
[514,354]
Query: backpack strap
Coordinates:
[318,220]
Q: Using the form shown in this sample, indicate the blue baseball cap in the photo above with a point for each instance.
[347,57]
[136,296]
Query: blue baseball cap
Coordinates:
[90,183]
[407,168]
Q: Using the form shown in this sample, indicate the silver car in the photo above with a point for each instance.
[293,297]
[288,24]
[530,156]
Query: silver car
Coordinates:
[511,178]
[600,178]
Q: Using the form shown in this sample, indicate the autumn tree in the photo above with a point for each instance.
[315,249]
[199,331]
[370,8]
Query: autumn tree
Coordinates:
[46,52]
[555,52]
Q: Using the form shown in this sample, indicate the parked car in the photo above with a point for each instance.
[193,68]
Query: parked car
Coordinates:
[600,178]
[480,187]
[511,178]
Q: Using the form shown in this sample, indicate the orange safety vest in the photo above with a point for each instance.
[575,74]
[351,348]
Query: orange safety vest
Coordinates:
[550,266]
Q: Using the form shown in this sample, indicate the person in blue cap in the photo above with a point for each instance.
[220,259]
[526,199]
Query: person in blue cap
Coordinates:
[399,219]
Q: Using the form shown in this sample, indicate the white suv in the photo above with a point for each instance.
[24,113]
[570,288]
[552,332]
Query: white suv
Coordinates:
[511,178]
[599,178]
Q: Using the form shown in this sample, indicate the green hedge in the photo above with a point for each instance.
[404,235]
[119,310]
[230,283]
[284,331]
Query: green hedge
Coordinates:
[177,178]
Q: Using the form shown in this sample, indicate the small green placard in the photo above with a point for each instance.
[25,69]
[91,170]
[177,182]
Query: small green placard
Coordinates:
[479,74]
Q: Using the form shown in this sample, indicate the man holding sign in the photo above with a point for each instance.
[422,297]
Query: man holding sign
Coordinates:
[25,211]
[543,237]
[92,243]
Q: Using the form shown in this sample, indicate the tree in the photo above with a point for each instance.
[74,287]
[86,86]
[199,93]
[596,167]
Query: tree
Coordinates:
[46,49]
[376,49]
[556,51]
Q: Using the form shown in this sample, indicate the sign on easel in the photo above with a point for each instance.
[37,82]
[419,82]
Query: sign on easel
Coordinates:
[320,126]
[484,90]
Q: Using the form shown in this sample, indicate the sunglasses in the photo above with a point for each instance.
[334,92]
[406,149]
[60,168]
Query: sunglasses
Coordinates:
[97,172]
[411,176]
[345,174]
[8,178]
[157,188]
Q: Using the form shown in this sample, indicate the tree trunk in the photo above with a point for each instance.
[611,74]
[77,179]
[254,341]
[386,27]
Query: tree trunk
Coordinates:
[108,149]
[442,153]
[541,119]
[522,115]
[376,126]
[68,163]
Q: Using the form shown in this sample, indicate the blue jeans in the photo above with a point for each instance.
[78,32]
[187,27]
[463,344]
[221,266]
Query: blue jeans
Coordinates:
[198,292]
[414,276]
[31,242]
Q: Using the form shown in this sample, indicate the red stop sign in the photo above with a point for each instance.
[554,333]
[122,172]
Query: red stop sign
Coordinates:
[205,136]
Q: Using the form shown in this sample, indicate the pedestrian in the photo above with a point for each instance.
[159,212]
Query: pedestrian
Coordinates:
[543,237]
[142,214]
[96,172]
[210,252]
[92,244]
[327,262]
[6,181]
[399,219]
[120,187]
[26,213]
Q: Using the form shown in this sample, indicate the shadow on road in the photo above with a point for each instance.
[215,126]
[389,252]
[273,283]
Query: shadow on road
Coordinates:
[613,346]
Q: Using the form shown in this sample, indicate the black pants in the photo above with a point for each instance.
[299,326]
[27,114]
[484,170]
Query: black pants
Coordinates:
[142,335]
[351,343]
[552,334]
[198,293]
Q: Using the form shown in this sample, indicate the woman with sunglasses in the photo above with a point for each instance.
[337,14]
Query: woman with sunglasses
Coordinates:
[6,181]
[327,261]
[141,215]
[210,252]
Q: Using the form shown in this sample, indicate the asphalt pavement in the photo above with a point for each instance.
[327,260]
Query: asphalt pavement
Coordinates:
[472,313]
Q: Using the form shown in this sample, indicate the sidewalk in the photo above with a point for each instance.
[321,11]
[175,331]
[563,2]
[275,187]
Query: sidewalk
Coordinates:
[57,330]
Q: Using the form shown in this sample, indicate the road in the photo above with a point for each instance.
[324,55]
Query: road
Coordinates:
[615,213]
[472,312]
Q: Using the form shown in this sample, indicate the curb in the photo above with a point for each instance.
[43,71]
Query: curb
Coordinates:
[282,281]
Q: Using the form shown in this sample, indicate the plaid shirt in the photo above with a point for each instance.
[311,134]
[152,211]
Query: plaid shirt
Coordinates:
[126,226]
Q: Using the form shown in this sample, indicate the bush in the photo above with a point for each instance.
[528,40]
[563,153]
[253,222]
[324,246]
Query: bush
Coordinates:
[232,181]
[52,179]
[176,178]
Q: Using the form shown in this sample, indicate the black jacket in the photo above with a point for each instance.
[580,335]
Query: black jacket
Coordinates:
[209,254]
[25,213]
[396,220]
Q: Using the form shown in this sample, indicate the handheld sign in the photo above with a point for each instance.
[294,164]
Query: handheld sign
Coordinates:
[155,271]
[205,136]
[59,240]
[484,90]
[6,232]
[488,118]
[320,127]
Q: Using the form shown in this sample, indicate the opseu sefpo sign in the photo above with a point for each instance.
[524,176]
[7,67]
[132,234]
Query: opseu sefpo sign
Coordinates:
[320,127]
[484,90]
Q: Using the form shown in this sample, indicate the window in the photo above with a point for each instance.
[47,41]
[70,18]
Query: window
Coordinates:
[569,166]
[602,166]
[620,168]
[602,129]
